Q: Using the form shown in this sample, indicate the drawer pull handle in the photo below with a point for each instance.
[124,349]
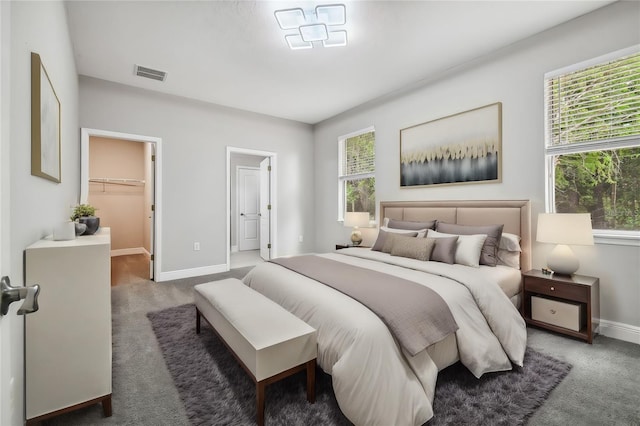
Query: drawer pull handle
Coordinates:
[553,288]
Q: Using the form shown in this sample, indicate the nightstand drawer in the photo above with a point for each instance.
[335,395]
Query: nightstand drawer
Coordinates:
[557,289]
[563,314]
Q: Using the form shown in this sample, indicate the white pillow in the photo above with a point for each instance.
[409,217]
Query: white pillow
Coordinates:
[421,232]
[509,258]
[468,247]
[510,242]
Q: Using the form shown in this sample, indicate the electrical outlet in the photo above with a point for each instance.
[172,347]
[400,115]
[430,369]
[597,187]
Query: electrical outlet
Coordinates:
[196,246]
[300,238]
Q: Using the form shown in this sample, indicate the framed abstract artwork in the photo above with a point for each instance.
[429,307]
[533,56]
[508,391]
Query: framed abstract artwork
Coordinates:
[45,123]
[460,148]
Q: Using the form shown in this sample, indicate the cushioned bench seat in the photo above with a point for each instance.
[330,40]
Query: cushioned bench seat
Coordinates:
[269,342]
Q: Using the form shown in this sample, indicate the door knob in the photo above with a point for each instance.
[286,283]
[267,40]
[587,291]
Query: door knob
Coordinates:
[241,214]
[10,294]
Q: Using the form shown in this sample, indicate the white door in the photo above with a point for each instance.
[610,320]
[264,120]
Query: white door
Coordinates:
[265,208]
[150,174]
[10,325]
[248,208]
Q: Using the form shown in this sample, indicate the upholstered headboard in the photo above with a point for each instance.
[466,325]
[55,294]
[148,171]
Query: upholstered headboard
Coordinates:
[514,214]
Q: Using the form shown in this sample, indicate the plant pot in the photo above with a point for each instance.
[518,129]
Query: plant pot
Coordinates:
[92,222]
[80,228]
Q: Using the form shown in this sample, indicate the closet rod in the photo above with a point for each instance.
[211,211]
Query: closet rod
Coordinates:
[116,180]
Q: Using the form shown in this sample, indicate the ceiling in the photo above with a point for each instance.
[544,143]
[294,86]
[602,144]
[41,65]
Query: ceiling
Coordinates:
[233,53]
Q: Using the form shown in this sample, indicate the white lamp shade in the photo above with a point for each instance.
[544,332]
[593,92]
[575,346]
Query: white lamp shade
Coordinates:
[565,228]
[359,219]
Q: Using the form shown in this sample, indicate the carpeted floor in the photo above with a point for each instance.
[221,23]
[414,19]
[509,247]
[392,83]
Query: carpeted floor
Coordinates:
[602,388]
[215,389]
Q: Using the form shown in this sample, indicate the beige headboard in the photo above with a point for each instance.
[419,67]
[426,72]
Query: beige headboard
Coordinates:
[514,214]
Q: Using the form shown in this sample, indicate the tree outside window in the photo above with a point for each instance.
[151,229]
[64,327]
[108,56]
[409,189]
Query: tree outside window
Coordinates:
[593,140]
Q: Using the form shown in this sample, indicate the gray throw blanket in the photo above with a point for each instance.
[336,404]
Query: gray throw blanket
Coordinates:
[416,315]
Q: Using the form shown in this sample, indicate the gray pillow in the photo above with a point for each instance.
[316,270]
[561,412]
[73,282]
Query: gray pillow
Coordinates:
[391,237]
[444,250]
[489,253]
[414,248]
[382,237]
[401,224]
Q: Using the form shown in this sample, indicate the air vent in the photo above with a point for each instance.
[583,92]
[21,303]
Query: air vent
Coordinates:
[150,73]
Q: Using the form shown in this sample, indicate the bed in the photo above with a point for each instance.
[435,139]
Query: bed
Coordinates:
[376,379]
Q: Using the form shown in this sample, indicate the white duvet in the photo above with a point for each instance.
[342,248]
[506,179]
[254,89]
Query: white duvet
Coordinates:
[375,382]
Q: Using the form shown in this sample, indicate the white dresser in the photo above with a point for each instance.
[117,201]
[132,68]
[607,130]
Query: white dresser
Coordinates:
[68,340]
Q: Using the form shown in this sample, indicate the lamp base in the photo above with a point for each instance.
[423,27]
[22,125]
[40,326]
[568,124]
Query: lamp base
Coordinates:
[562,260]
[356,237]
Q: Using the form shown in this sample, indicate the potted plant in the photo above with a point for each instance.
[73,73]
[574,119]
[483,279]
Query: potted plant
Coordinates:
[85,214]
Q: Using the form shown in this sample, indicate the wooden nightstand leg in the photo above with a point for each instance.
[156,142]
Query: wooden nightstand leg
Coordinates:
[589,324]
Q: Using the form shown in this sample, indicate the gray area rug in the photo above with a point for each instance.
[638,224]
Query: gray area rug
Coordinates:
[217,391]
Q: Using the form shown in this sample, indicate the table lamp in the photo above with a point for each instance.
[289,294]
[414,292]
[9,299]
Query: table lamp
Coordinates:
[564,229]
[356,220]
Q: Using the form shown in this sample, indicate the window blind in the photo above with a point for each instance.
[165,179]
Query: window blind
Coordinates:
[597,103]
[359,155]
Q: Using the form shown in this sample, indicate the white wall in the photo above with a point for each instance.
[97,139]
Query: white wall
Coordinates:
[37,205]
[194,137]
[515,78]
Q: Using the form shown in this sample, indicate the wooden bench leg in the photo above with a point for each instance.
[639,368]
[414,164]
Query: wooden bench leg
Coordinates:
[106,406]
[311,381]
[260,388]
[197,321]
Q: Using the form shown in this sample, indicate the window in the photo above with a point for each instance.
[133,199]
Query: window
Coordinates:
[592,141]
[356,174]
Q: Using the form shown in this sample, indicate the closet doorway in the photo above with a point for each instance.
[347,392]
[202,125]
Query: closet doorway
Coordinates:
[251,207]
[119,176]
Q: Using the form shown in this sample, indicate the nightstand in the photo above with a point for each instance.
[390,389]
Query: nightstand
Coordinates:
[341,246]
[561,303]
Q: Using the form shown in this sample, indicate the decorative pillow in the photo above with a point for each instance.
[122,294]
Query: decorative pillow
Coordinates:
[509,258]
[382,236]
[421,232]
[491,243]
[468,247]
[392,236]
[414,248]
[510,242]
[414,226]
[444,249]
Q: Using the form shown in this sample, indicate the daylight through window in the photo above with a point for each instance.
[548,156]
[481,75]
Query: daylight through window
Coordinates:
[356,175]
[592,141]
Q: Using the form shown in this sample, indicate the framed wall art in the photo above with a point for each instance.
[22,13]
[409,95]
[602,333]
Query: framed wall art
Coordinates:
[460,148]
[45,123]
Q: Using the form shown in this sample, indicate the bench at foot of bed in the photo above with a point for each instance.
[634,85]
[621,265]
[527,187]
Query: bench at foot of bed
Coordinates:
[268,341]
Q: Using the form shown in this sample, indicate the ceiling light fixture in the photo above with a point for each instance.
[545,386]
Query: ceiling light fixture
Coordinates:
[303,28]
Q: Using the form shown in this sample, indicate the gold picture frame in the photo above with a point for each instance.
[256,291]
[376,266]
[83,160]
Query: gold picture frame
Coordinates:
[45,124]
[456,149]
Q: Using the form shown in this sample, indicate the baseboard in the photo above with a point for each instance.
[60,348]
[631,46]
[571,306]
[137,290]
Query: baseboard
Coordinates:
[128,251]
[620,331]
[234,249]
[188,273]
